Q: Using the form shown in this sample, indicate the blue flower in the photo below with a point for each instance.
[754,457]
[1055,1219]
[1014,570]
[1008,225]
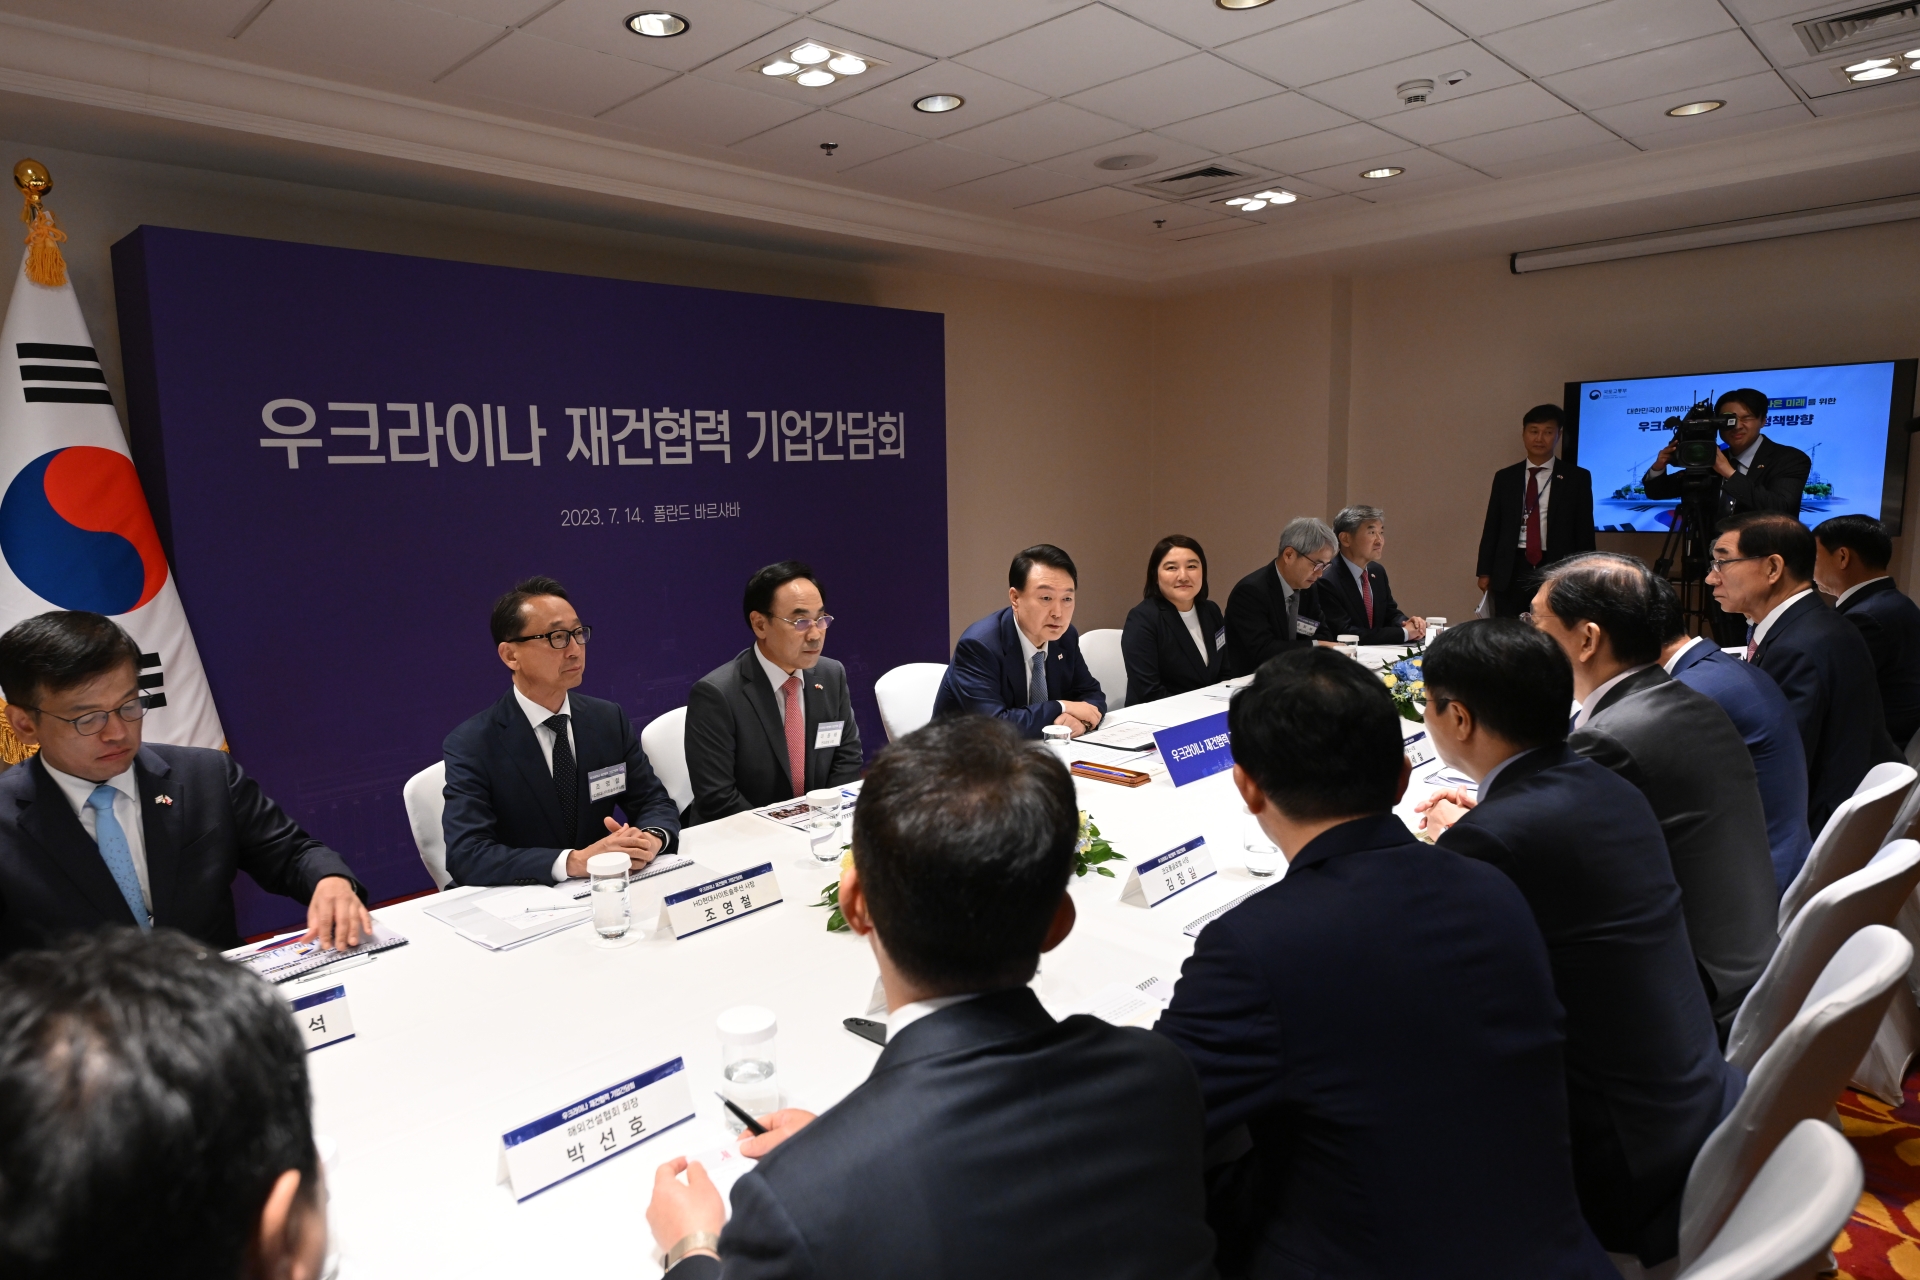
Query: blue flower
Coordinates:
[1409,669]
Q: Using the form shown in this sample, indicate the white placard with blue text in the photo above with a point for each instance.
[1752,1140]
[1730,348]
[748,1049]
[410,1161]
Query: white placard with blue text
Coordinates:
[580,1135]
[323,1018]
[706,906]
[1195,750]
[1178,869]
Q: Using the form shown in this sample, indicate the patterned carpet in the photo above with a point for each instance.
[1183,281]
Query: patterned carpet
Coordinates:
[1882,1241]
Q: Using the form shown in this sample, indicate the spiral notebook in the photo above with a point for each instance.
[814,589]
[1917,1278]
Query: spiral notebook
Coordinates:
[284,959]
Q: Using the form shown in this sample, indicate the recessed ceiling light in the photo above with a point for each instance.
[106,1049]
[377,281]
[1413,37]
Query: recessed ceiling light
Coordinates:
[1241,4]
[779,67]
[1696,108]
[1914,54]
[1121,163]
[658,24]
[1868,65]
[935,103]
[1390,171]
[814,78]
[847,65]
[1874,73]
[810,53]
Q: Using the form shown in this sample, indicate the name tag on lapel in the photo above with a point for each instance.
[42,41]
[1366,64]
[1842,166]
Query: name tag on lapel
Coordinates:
[610,781]
[828,733]
[1305,626]
[1220,638]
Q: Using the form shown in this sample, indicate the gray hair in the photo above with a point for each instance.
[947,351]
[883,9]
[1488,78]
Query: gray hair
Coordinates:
[1306,535]
[1351,518]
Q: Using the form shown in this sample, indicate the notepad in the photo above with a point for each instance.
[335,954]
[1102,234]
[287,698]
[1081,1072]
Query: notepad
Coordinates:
[287,959]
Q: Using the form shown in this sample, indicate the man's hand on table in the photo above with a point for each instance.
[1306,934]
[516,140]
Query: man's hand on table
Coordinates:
[639,846]
[780,1125]
[1078,716]
[680,1209]
[1441,810]
[1416,629]
[336,916]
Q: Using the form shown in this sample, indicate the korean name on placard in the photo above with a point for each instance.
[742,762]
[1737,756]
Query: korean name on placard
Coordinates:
[562,1143]
[1175,871]
[710,905]
[323,1018]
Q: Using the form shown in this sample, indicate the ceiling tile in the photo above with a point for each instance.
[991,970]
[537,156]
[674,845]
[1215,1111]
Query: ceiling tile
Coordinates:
[1669,70]
[1418,163]
[987,98]
[1167,154]
[204,17]
[1526,141]
[1050,129]
[1369,95]
[559,77]
[1175,91]
[1343,40]
[1208,25]
[714,27]
[1275,119]
[797,145]
[370,35]
[942,28]
[1316,150]
[504,13]
[1077,51]
[1609,30]
[1759,121]
[1216,228]
[1554,161]
[924,168]
[1479,17]
[1171,217]
[702,111]
[1744,96]
[739,66]
[1011,189]
[1751,11]
[1086,206]
[1516,104]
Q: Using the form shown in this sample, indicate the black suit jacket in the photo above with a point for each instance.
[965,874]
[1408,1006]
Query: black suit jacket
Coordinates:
[1257,620]
[1683,753]
[1569,528]
[1160,654]
[1303,1008]
[989,676]
[202,818]
[1645,1080]
[990,1141]
[1890,624]
[1776,480]
[1824,667]
[1345,613]
[502,821]
[737,742]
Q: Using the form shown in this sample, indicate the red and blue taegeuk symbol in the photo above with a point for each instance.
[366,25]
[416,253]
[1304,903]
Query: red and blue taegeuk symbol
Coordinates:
[75,529]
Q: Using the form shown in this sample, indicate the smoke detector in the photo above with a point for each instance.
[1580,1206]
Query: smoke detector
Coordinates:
[1414,93]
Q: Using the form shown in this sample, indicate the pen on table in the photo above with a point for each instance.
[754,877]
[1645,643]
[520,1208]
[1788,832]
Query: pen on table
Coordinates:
[753,1126]
[558,906]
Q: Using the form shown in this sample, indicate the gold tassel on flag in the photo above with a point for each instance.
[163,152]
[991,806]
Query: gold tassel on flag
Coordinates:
[45,266]
[12,750]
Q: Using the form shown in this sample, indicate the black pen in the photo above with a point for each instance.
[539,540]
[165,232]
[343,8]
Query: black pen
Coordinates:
[753,1125]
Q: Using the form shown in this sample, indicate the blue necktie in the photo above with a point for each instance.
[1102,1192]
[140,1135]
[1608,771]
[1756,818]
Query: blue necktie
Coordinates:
[114,852]
[1037,683]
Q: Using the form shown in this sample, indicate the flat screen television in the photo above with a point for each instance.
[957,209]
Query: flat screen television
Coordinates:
[1851,419]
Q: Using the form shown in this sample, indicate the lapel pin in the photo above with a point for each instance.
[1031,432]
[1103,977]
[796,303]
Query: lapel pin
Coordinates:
[166,800]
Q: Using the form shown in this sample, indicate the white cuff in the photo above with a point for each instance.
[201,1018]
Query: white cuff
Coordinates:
[560,866]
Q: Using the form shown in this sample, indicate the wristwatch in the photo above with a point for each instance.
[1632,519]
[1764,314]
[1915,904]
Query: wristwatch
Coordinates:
[688,1243]
[659,835]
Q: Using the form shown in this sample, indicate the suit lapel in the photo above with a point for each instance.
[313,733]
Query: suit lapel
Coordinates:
[50,822]
[1013,670]
[524,750]
[764,700]
[1787,619]
[160,827]
[1860,597]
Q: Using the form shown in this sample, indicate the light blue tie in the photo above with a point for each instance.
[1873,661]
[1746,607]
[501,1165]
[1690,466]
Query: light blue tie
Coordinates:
[1037,683]
[114,852]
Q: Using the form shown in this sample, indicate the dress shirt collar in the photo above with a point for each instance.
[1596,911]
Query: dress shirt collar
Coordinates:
[1486,781]
[775,676]
[1773,615]
[1856,586]
[1374,831]
[77,790]
[538,715]
[908,1014]
[1285,586]
[1527,466]
[1682,652]
[1027,647]
[1593,699]
[1358,571]
[1744,459]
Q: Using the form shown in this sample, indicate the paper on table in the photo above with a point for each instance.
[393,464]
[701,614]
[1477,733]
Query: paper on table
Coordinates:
[472,919]
[1127,735]
[579,886]
[725,1165]
[798,813]
[1132,1005]
[511,905]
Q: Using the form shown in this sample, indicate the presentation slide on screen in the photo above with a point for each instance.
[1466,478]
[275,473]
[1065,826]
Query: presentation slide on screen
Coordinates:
[1836,414]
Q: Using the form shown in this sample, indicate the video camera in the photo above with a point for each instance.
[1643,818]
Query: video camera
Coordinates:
[1696,437]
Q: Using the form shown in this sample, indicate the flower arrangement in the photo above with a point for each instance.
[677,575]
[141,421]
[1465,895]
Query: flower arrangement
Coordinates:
[1406,681]
[830,896]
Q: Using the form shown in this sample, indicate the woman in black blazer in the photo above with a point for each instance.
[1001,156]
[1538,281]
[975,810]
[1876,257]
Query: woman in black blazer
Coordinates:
[1175,638]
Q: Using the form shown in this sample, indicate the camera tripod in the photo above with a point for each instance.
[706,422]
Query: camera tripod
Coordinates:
[1690,541]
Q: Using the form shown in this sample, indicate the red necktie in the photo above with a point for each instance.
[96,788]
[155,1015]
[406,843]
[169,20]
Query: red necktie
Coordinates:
[1366,595]
[796,737]
[1534,552]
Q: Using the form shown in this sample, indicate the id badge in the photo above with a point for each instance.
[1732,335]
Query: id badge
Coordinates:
[828,733]
[610,781]
[1306,626]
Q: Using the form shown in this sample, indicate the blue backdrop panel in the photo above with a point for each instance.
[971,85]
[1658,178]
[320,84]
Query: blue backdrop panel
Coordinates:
[350,455]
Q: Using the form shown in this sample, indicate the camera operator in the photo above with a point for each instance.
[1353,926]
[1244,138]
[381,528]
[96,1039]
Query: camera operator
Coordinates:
[1751,473]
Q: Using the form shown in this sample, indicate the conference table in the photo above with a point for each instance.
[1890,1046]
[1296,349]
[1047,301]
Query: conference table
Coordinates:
[455,1044]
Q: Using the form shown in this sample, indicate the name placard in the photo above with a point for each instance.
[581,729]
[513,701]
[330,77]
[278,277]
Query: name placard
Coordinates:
[1196,749]
[323,1017]
[1154,881]
[714,903]
[580,1135]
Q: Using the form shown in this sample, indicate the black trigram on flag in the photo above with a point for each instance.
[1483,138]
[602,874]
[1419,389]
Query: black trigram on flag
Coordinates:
[76,379]
[151,678]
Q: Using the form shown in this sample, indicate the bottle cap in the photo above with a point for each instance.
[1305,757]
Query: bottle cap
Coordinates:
[1436,622]
[1348,639]
[747,1024]
[608,864]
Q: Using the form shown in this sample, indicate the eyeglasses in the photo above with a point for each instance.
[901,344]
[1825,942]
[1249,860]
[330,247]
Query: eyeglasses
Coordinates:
[558,639]
[824,621]
[1534,619]
[1719,563]
[94,721]
[1319,566]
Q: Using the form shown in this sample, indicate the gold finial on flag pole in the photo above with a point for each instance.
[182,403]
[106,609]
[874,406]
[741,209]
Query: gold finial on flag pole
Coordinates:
[45,266]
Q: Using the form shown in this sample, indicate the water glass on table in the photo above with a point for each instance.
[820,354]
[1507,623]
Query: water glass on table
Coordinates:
[824,806]
[1263,855]
[607,891]
[749,1060]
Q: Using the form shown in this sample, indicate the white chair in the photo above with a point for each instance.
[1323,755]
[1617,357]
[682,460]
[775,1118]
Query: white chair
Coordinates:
[425,797]
[1799,1078]
[1101,649]
[906,695]
[1852,835]
[1790,1214]
[665,742]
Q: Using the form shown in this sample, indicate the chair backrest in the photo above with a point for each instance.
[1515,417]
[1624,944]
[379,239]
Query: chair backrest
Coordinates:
[906,695]
[1797,1203]
[1101,649]
[425,797]
[665,742]
[1872,895]
[1799,1078]
[1852,835]
[1906,823]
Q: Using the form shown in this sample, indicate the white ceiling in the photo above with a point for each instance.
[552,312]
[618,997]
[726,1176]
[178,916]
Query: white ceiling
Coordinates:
[1299,93]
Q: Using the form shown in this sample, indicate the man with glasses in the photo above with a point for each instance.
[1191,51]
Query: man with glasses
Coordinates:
[776,721]
[98,829]
[532,782]
[1272,610]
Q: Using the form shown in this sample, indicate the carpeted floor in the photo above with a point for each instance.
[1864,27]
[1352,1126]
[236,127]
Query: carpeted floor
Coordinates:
[1882,1241]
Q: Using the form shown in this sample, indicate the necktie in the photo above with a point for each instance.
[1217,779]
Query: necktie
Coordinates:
[1037,682]
[1366,594]
[796,736]
[1752,645]
[114,852]
[566,776]
[1534,550]
[1293,616]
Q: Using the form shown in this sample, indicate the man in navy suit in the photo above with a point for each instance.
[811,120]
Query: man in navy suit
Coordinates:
[1763,568]
[532,781]
[1023,664]
[1302,1008]
[99,830]
[1850,557]
[1645,1080]
[1354,596]
[1539,510]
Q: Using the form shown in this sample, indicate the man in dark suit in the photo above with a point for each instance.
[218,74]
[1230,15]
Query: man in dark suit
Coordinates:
[1681,751]
[1539,511]
[1023,664]
[989,1140]
[1760,712]
[1850,557]
[533,780]
[1299,1006]
[1354,596]
[777,720]
[1763,568]
[97,829]
[1752,473]
[1645,1080]
[1274,609]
